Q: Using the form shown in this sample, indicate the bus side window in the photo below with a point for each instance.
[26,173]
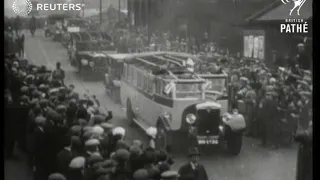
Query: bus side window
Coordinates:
[150,84]
[158,89]
[125,72]
[145,78]
[129,74]
[139,79]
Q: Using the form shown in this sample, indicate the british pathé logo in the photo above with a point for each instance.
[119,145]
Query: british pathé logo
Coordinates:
[294,25]
[297,5]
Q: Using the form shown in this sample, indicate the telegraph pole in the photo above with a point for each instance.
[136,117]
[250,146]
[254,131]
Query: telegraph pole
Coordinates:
[119,12]
[83,9]
[100,11]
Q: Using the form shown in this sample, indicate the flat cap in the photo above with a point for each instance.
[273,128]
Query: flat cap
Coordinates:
[122,154]
[97,130]
[94,159]
[119,131]
[77,163]
[106,126]
[122,145]
[87,128]
[75,130]
[56,176]
[87,135]
[305,93]
[92,142]
[108,163]
[170,175]
[40,120]
[135,150]
[141,174]
[24,89]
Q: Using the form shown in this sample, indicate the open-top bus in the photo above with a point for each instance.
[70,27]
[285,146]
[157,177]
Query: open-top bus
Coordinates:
[158,92]
[216,86]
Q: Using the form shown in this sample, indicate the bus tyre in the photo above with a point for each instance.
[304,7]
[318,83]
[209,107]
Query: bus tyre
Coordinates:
[234,143]
[130,112]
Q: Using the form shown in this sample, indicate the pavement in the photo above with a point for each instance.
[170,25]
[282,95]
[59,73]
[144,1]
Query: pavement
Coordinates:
[253,163]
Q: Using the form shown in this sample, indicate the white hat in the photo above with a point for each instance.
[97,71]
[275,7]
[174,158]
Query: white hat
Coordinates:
[92,142]
[119,131]
[152,131]
[77,163]
[300,45]
[273,80]
[190,62]
[97,130]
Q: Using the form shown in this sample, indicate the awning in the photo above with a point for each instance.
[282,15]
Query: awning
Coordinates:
[282,12]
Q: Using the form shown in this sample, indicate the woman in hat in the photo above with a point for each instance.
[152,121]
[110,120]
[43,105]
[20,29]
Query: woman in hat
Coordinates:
[193,170]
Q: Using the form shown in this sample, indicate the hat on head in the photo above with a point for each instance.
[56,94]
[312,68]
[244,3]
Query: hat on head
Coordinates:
[75,130]
[77,163]
[305,93]
[193,151]
[135,150]
[98,119]
[108,163]
[56,176]
[94,159]
[75,140]
[106,126]
[119,131]
[40,120]
[170,175]
[92,142]
[152,131]
[87,128]
[82,122]
[122,145]
[141,174]
[101,171]
[24,89]
[97,130]
[122,154]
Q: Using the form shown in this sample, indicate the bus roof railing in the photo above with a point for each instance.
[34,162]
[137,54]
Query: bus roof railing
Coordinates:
[212,75]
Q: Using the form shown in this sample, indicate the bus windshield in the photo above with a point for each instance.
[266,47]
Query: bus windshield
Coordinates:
[216,84]
[188,90]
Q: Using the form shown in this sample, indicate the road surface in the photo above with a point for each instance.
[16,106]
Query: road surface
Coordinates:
[253,163]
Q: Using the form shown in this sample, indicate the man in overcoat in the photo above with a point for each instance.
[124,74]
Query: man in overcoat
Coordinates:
[193,170]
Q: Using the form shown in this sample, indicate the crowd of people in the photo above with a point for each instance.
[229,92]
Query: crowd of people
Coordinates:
[66,137]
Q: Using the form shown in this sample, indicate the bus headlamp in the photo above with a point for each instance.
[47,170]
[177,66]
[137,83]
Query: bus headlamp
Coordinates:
[191,118]
[84,62]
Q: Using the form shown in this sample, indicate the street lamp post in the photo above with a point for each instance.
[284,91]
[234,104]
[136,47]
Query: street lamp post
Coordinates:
[119,12]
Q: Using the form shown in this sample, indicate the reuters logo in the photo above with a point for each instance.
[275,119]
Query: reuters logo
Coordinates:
[22,7]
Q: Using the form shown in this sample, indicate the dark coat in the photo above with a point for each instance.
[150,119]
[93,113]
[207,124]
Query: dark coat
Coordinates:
[305,157]
[187,173]
[64,158]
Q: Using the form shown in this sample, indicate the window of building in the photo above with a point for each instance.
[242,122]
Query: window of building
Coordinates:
[254,46]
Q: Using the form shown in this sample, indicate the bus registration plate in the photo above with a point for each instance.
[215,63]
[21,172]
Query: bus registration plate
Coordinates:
[207,140]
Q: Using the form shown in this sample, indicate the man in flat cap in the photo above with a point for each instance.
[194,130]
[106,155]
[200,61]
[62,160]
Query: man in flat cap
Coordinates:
[193,170]
[65,156]
[76,169]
